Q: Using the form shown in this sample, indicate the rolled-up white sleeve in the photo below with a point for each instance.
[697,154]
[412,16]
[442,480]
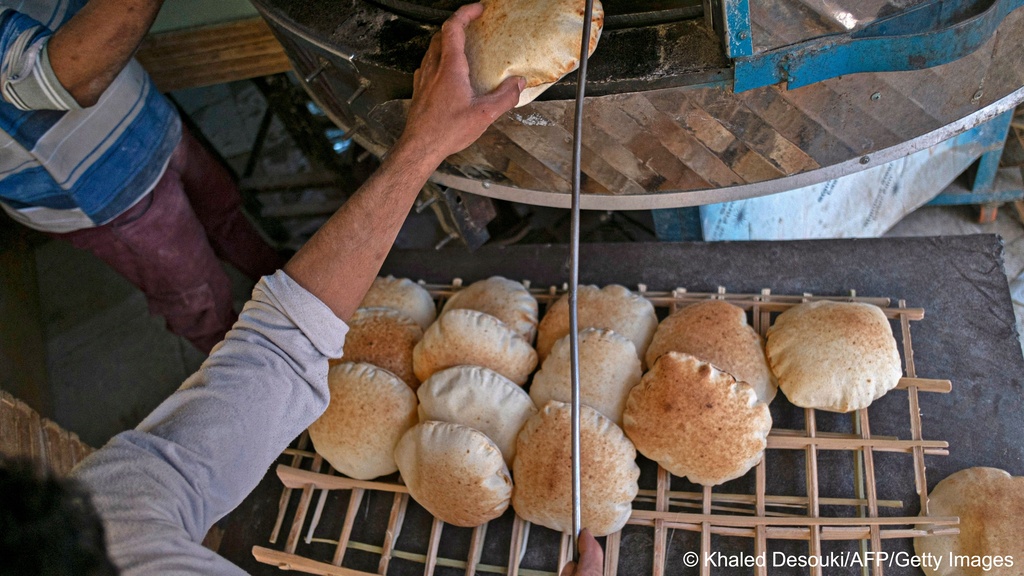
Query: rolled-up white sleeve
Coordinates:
[27,80]
[160,487]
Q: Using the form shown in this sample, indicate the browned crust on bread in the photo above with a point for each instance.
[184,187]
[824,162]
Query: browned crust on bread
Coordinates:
[543,471]
[717,332]
[696,421]
[385,338]
[836,356]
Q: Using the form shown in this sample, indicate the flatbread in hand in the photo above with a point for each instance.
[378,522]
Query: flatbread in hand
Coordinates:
[536,39]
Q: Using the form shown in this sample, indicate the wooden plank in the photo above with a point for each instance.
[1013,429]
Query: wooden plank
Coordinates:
[212,54]
[748,164]
[682,144]
[753,131]
[666,171]
[814,137]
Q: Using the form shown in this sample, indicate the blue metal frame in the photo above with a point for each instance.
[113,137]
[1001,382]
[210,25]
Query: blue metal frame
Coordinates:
[928,35]
[993,133]
[985,140]
[736,33]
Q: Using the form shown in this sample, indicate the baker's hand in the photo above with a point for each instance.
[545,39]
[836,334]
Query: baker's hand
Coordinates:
[591,558]
[445,116]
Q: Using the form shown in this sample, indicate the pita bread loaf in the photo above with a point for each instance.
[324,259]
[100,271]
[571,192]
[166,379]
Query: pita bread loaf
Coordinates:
[481,399]
[403,295]
[506,300]
[697,421]
[543,471]
[990,504]
[468,337]
[835,356]
[455,472]
[369,411]
[613,308]
[609,369]
[536,39]
[385,338]
[717,332]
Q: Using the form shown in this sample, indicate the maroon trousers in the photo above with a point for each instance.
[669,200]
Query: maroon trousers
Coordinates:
[169,243]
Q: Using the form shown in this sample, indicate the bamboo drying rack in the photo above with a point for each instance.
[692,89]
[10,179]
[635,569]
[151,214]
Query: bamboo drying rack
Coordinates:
[756,516]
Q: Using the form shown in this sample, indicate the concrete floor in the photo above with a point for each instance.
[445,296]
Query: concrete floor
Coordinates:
[109,363]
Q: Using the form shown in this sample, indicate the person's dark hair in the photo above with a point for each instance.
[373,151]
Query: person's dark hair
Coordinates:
[48,526]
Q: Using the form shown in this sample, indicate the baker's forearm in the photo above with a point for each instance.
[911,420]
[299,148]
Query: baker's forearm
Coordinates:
[92,48]
[341,260]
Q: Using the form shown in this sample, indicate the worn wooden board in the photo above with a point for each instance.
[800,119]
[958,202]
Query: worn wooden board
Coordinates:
[212,54]
[25,435]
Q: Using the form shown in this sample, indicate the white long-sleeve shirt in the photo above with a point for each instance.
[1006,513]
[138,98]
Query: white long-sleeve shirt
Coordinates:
[160,487]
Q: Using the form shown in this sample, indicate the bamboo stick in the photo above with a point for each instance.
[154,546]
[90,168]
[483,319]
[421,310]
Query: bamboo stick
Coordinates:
[705,534]
[564,551]
[611,554]
[677,497]
[760,537]
[355,500]
[286,494]
[395,522]
[318,511]
[295,478]
[751,521]
[813,508]
[286,561]
[435,540]
[780,442]
[920,477]
[476,549]
[520,532]
[301,510]
[660,533]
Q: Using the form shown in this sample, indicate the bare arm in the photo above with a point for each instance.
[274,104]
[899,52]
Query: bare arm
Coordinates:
[340,262]
[92,48]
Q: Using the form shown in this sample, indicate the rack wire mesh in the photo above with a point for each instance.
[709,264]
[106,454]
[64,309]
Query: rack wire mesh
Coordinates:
[711,514]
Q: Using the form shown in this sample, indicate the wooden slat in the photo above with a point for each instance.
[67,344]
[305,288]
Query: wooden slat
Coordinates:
[286,561]
[24,434]
[212,55]
[355,500]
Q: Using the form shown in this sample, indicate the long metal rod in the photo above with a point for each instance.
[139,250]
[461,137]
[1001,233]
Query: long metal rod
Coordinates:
[574,276]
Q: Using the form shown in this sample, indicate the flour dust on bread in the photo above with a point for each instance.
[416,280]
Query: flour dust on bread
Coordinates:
[403,295]
[613,308]
[697,421]
[468,337]
[536,39]
[481,399]
[990,505]
[717,332]
[455,472]
[543,471]
[384,337]
[835,356]
[369,411]
[609,368]
[506,300]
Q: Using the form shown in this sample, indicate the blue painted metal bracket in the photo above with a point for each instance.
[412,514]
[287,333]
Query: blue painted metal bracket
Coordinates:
[929,35]
[995,131]
[736,28]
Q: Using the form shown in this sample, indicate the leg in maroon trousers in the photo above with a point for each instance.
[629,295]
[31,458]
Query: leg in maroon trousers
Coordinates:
[218,205]
[160,246]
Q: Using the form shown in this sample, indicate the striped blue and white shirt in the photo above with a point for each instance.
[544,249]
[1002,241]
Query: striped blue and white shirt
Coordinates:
[64,167]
